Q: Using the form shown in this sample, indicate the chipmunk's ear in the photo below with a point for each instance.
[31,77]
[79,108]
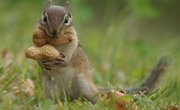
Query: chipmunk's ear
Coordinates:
[49,3]
[67,7]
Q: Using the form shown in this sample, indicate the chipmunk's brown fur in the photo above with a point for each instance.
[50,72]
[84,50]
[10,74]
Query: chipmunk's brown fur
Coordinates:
[73,74]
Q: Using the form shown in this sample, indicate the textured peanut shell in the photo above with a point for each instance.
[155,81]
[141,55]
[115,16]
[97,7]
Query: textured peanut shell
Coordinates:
[41,53]
[63,39]
[40,39]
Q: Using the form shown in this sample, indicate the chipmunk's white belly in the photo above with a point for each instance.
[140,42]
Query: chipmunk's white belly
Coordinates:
[60,80]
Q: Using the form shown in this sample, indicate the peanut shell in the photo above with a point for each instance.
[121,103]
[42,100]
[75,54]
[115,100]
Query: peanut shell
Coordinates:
[41,53]
[39,37]
[61,40]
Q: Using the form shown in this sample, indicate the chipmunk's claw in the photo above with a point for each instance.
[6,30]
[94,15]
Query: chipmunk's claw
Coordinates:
[49,63]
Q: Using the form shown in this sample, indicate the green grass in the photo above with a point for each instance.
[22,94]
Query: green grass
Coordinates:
[120,57]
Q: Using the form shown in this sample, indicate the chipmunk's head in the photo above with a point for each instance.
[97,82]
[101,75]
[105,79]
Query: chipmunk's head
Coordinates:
[55,18]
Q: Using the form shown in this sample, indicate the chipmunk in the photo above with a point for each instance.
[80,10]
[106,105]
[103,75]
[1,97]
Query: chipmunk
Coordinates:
[72,74]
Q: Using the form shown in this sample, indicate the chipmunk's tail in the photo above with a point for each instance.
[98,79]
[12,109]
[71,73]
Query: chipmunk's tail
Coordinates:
[152,79]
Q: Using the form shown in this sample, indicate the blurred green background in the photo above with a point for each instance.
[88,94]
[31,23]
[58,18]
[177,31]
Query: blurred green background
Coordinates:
[123,38]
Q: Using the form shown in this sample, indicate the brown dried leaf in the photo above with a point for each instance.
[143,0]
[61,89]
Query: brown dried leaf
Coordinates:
[120,103]
[174,107]
[26,87]
[8,58]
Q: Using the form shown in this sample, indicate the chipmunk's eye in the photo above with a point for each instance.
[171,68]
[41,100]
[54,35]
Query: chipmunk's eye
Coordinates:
[44,18]
[66,19]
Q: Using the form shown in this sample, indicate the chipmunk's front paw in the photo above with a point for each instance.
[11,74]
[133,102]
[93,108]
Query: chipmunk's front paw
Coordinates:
[49,63]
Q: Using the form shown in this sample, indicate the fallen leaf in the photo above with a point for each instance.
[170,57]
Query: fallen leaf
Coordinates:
[26,87]
[8,58]
[174,107]
[120,101]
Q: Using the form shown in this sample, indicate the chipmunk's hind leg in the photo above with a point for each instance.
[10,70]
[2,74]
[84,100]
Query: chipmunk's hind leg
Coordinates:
[87,89]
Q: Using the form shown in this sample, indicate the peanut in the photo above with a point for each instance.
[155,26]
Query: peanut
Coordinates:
[41,53]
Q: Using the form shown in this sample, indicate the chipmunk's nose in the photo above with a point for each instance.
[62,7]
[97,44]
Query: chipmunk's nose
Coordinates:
[54,33]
